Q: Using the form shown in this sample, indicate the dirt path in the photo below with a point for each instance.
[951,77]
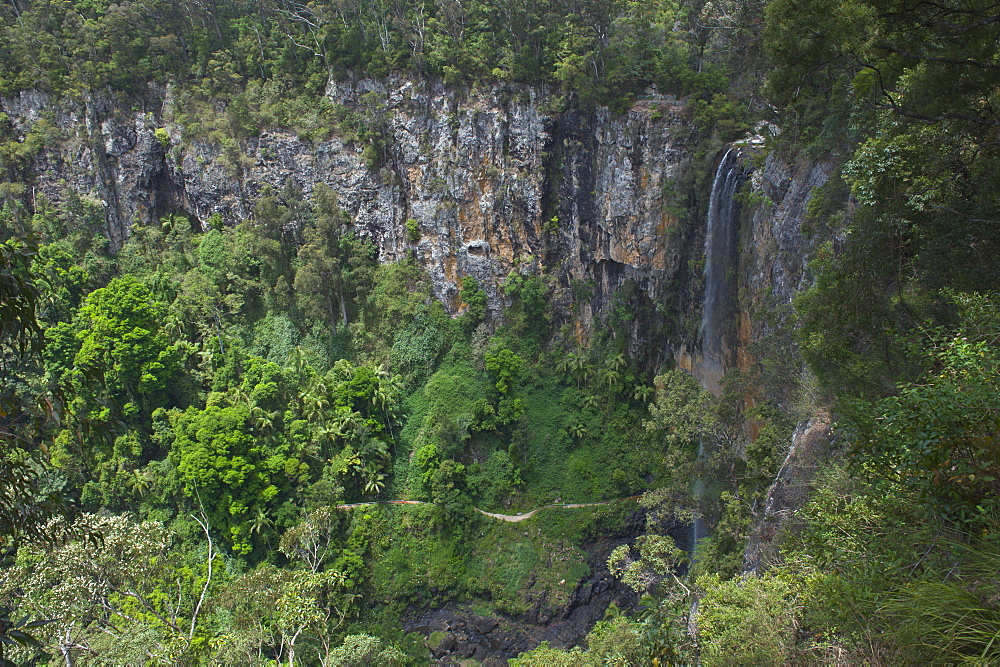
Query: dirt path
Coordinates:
[511,518]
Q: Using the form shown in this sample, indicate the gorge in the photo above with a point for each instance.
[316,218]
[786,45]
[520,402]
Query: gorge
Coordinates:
[526,333]
[484,184]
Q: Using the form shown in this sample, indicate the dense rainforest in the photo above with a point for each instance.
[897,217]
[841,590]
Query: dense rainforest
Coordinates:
[282,417]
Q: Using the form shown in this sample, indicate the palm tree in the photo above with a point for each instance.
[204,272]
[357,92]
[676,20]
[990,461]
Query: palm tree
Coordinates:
[263,420]
[174,323]
[326,437]
[342,370]
[374,481]
[642,392]
[260,522]
[374,448]
[207,357]
[346,421]
[239,396]
[616,363]
[564,365]
[578,430]
[139,482]
[381,395]
[609,377]
[299,364]
[315,402]
[574,363]
[386,393]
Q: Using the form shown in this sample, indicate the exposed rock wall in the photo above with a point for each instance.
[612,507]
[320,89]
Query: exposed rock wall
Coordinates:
[776,250]
[774,267]
[494,180]
[809,446]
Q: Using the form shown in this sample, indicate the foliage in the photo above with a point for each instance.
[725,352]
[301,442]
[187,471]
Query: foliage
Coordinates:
[29,501]
[313,540]
[949,620]
[216,458]
[898,325]
[361,650]
[682,410]
[275,608]
[18,294]
[745,621]
[922,174]
[658,558]
[940,435]
[260,55]
[117,338]
[125,580]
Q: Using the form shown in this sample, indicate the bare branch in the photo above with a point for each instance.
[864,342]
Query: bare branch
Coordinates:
[208,581]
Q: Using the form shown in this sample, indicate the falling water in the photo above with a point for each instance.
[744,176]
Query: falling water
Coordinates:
[721,260]
[721,257]
[698,491]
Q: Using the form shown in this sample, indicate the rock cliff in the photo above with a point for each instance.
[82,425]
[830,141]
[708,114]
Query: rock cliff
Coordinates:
[776,251]
[496,178]
[478,182]
[773,268]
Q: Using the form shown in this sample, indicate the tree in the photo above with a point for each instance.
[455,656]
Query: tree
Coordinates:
[940,434]
[449,494]
[682,410]
[110,586]
[313,540]
[506,366]
[654,568]
[474,298]
[116,339]
[747,620]
[913,92]
[18,295]
[335,266]
[225,470]
[609,377]
[273,609]
[643,392]
[362,650]
[685,417]
[30,508]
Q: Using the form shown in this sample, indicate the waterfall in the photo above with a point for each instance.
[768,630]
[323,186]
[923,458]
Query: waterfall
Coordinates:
[698,491]
[718,305]
[721,261]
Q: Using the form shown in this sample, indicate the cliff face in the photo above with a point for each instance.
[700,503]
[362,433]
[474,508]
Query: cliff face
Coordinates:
[773,269]
[483,182]
[776,251]
[494,179]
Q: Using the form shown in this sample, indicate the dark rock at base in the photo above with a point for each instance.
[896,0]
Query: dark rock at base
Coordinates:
[493,640]
[484,624]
